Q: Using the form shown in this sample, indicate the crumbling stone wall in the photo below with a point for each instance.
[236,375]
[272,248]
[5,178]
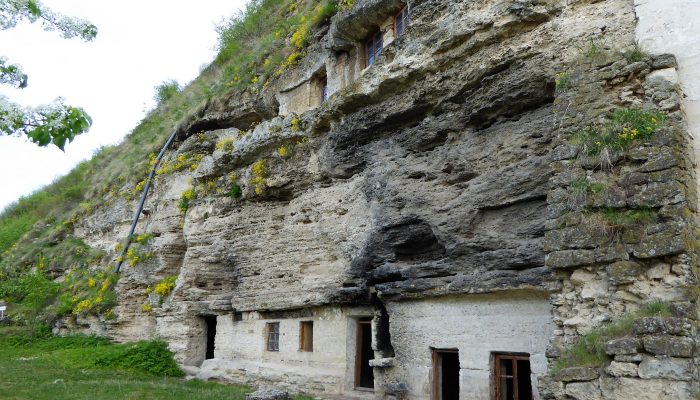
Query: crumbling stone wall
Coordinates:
[610,269]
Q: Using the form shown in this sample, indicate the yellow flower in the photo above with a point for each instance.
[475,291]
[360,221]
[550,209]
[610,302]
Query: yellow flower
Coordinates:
[146,308]
[91,283]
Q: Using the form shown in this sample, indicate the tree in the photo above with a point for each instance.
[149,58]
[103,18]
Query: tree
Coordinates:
[56,123]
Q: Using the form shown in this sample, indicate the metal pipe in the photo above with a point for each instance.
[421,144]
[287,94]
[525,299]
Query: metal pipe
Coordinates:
[135,220]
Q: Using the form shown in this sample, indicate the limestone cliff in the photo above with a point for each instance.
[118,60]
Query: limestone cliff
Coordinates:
[472,170]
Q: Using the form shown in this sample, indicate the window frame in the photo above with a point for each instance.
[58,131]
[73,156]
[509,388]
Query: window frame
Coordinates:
[496,376]
[306,331]
[436,355]
[375,43]
[273,336]
[404,16]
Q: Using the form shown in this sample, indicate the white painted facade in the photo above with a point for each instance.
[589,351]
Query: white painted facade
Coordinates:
[241,354]
[476,325]
[673,26]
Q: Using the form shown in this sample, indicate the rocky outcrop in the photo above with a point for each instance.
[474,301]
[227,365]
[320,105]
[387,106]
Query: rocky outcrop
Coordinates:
[450,167]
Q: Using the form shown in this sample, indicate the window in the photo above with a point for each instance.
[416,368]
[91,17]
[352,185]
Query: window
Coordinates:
[237,316]
[273,336]
[324,89]
[374,48]
[512,377]
[306,336]
[401,21]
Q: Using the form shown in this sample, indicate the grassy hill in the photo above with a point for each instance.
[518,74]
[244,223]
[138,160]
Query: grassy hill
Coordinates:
[37,237]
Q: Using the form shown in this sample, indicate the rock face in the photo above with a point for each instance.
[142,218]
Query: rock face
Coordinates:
[434,224]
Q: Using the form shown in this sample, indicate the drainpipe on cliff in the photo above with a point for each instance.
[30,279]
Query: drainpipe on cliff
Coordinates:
[137,214]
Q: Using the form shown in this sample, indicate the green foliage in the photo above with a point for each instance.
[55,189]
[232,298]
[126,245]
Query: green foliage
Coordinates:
[32,296]
[622,128]
[185,198]
[165,286]
[89,291]
[150,357]
[562,81]
[55,123]
[236,191]
[635,54]
[584,186]
[626,218]
[593,49]
[260,173]
[346,5]
[589,349]
[166,91]
[56,199]
[259,44]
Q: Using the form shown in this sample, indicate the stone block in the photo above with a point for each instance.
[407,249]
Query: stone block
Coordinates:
[569,258]
[663,79]
[584,390]
[594,289]
[622,272]
[382,362]
[622,369]
[628,358]
[578,374]
[622,346]
[661,244]
[663,325]
[665,368]
[664,61]
[673,346]
[268,394]
[644,389]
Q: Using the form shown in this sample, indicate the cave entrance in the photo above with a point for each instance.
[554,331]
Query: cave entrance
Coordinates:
[210,324]
[445,374]
[364,374]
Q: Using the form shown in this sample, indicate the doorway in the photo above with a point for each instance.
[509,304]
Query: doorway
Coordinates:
[210,322]
[364,375]
[445,374]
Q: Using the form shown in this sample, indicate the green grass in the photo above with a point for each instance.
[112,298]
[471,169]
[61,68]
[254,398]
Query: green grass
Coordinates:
[90,368]
[589,349]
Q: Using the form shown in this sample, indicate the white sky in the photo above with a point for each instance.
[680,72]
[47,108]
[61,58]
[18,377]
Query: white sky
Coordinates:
[140,43]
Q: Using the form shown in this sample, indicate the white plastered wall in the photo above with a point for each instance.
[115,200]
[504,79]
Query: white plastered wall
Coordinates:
[241,355]
[476,325]
[673,26]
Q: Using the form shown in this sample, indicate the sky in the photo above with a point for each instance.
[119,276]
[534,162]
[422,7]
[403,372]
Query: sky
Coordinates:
[140,44]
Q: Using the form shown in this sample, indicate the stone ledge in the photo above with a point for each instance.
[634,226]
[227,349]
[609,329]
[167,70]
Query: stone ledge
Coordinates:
[578,374]
[382,362]
[661,325]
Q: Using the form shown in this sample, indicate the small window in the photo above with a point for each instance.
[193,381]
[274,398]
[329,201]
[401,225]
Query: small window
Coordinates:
[512,377]
[324,89]
[273,336]
[306,336]
[374,47]
[237,316]
[401,21]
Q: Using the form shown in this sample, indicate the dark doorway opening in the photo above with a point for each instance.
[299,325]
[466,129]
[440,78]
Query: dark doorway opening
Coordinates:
[364,375]
[446,374]
[210,321]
